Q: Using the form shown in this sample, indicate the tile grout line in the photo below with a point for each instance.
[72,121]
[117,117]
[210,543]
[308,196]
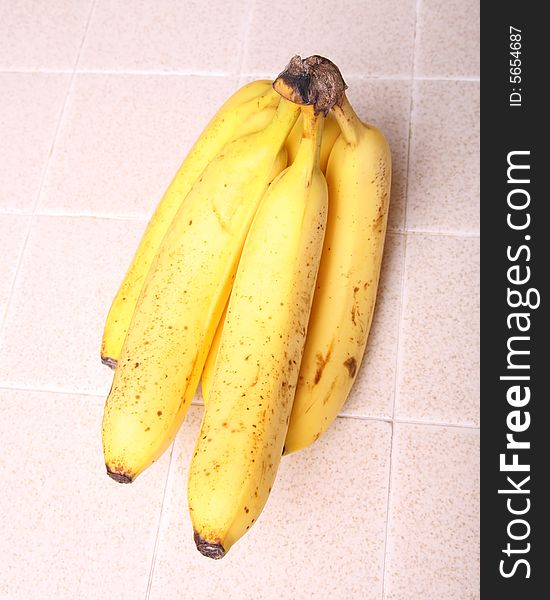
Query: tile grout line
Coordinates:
[463,234]
[36,203]
[157,534]
[343,415]
[144,219]
[157,72]
[399,340]
[472,78]
[398,344]
[409,422]
[62,116]
[222,74]
[86,28]
[19,260]
[247,25]
[417,9]
[137,72]
[18,388]
[436,424]
[388,501]
[406,231]
[32,217]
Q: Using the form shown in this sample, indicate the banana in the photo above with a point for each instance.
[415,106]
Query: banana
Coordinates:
[247,111]
[182,299]
[331,131]
[359,179]
[208,370]
[280,164]
[246,415]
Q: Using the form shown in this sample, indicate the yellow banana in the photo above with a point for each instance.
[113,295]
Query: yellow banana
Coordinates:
[247,111]
[280,164]
[246,415]
[208,370]
[358,178]
[182,299]
[331,131]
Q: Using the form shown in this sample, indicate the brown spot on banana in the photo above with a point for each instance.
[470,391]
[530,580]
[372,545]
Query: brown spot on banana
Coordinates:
[327,397]
[351,366]
[377,223]
[322,363]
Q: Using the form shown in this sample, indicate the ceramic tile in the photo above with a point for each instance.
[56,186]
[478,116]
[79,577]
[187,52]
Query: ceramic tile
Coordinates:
[68,277]
[30,109]
[164,35]
[363,38]
[433,523]
[41,37]
[373,391]
[123,139]
[439,358]
[68,531]
[13,231]
[326,515]
[443,192]
[447,38]
[386,104]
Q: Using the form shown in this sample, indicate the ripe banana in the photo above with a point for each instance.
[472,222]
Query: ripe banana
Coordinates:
[247,111]
[208,369]
[358,178]
[331,131]
[246,415]
[182,299]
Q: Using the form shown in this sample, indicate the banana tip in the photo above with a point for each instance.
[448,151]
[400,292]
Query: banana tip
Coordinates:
[119,477]
[209,549]
[110,362]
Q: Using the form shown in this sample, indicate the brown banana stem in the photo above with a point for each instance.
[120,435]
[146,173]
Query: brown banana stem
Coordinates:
[347,119]
[315,81]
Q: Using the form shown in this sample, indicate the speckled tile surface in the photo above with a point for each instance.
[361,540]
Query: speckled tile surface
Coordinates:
[100,102]
[447,38]
[443,192]
[69,273]
[356,34]
[439,343]
[13,231]
[164,35]
[433,527]
[123,139]
[328,501]
[41,36]
[30,110]
[73,533]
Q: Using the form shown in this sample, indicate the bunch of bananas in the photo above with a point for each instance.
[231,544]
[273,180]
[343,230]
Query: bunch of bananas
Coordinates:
[262,278]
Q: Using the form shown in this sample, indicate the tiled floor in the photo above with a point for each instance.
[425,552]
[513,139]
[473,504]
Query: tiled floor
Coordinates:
[99,102]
